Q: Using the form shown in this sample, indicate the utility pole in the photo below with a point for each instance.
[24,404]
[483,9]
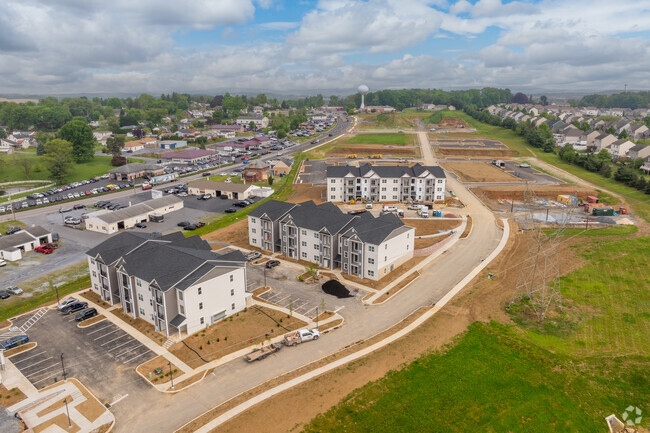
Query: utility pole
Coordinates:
[63,367]
[265,276]
[171,374]
[65,400]
[58,301]
[13,212]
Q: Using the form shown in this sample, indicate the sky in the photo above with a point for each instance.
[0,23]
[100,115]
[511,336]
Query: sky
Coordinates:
[300,47]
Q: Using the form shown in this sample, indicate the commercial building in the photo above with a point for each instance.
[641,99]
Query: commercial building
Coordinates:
[361,245]
[135,170]
[385,183]
[175,283]
[173,144]
[232,190]
[143,143]
[189,156]
[13,246]
[109,222]
[260,122]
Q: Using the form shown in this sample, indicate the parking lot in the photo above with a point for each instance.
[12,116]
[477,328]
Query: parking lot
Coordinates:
[287,292]
[315,172]
[102,355]
[529,173]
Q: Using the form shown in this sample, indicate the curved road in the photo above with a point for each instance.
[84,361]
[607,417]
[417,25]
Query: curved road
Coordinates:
[153,411]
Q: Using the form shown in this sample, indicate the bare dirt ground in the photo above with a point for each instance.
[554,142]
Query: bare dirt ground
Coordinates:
[158,362]
[9,397]
[365,150]
[306,191]
[483,300]
[452,122]
[477,152]
[478,172]
[418,244]
[542,191]
[431,226]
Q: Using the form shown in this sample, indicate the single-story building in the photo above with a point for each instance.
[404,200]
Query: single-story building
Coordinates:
[135,170]
[189,156]
[228,128]
[281,167]
[233,190]
[173,144]
[13,246]
[102,136]
[143,143]
[109,222]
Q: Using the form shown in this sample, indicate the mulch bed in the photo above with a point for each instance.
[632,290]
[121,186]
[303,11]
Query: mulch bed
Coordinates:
[335,288]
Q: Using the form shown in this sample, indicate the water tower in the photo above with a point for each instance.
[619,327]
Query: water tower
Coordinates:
[363,89]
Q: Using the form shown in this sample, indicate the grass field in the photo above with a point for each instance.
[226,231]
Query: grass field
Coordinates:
[398,120]
[11,171]
[502,378]
[387,138]
[4,226]
[364,145]
[491,381]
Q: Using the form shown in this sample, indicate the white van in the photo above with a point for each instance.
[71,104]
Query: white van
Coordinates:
[424,212]
[389,209]
[369,205]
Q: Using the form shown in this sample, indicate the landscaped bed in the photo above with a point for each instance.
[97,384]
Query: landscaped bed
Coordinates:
[20,349]
[145,327]
[9,397]
[148,370]
[89,322]
[252,326]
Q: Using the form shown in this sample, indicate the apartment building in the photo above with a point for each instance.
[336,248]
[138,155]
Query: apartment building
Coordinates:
[385,183]
[175,283]
[360,245]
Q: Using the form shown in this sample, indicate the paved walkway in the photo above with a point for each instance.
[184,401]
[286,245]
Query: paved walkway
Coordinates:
[363,352]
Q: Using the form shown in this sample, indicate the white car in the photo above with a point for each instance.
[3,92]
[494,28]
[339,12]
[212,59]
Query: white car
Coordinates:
[524,165]
[2,263]
[67,302]
[14,290]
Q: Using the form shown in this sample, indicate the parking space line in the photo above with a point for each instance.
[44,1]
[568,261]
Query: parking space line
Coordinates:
[135,357]
[71,319]
[46,377]
[123,344]
[121,336]
[108,333]
[25,359]
[42,369]
[298,308]
[36,363]
[129,350]
[309,311]
[97,330]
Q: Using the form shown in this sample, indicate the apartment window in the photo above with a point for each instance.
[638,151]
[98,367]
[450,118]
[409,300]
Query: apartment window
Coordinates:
[383,197]
[284,249]
[345,254]
[232,278]
[333,189]
[200,290]
[96,288]
[254,230]
[316,258]
[386,246]
[232,292]
[151,302]
[202,320]
[332,197]
[138,282]
[407,247]
[439,180]
[142,311]
[371,260]
[94,274]
[385,258]
[383,189]
[304,232]
[303,243]
[439,189]
[345,266]
[253,221]
[395,181]
[140,298]
[384,181]
[180,295]
[345,242]
[407,235]
[371,273]
[153,317]
[92,261]
[332,180]
[384,270]
[232,307]
[315,246]
[200,305]
[316,235]
[371,248]
[254,241]
[303,255]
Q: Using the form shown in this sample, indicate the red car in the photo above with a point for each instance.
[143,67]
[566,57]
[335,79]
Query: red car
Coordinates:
[44,249]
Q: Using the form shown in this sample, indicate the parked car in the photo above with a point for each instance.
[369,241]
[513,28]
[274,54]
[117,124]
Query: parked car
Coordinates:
[183,223]
[12,230]
[85,314]
[141,225]
[230,210]
[2,263]
[74,307]
[253,255]
[190,227]
[4,294]
[272,264]
[80,206]
[72,220]
[43,249]
[240,204]
[14,290]
[16,341]
[65,209]
[67,302]
[199,224]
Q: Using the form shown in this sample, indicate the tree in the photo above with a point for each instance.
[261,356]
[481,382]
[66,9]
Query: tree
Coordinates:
[138,133]
[80,135]
[58,159]
[611,130]
[216,101]
[40,149]
[3,133]
[623,135]
[604,155]
[605,171]
[201,141]
[520,98]
[25,164]
[270,180]
[251,126]
[637,163]
[544,100]
[114,145]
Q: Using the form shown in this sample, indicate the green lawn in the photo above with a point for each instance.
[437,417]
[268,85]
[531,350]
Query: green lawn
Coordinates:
[491,381]
[388,138]
[527,378]
[11,171]
[4,226]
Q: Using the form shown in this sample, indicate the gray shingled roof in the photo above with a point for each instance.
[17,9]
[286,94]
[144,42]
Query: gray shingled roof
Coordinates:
[325,216]
[136,167]
[274,209]
[379,229]
[37,231]
[135,210]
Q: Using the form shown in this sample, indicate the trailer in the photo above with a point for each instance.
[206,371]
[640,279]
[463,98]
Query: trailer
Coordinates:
[263,352]
[301,336]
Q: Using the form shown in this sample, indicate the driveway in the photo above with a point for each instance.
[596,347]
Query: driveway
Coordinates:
[101,356]
[315,172]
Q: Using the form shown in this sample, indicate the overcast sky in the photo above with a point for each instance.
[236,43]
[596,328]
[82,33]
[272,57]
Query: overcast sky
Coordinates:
[301,47]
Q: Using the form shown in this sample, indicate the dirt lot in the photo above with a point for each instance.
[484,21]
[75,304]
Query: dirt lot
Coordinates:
[479,172]
[431,226]
[452,122]
[251,326]
[476,152]
[482,300]
[364,150]
[418,244]
[236,234]
[389,278]
[542,191]
[306,191]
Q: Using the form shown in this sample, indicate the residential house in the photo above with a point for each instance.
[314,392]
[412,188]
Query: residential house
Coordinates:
[13,246]
[109,222]
[260,122]
[135,170]
[619,148]
[590,137]
[281,167]
[102,136]
[175,283]
[639,151]
[361,245]
[257,170]
[386,183]
[638,131]
[603,141]
[646,165]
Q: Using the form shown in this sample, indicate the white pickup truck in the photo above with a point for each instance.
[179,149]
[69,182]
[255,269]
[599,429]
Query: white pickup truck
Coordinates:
[301,336]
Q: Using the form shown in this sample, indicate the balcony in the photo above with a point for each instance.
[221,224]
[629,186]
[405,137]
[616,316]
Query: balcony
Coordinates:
[159,299]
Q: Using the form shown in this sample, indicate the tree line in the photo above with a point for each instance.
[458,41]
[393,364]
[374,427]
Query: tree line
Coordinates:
[631,100]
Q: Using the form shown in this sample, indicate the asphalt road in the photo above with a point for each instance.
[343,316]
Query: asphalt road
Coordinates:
[160,413]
